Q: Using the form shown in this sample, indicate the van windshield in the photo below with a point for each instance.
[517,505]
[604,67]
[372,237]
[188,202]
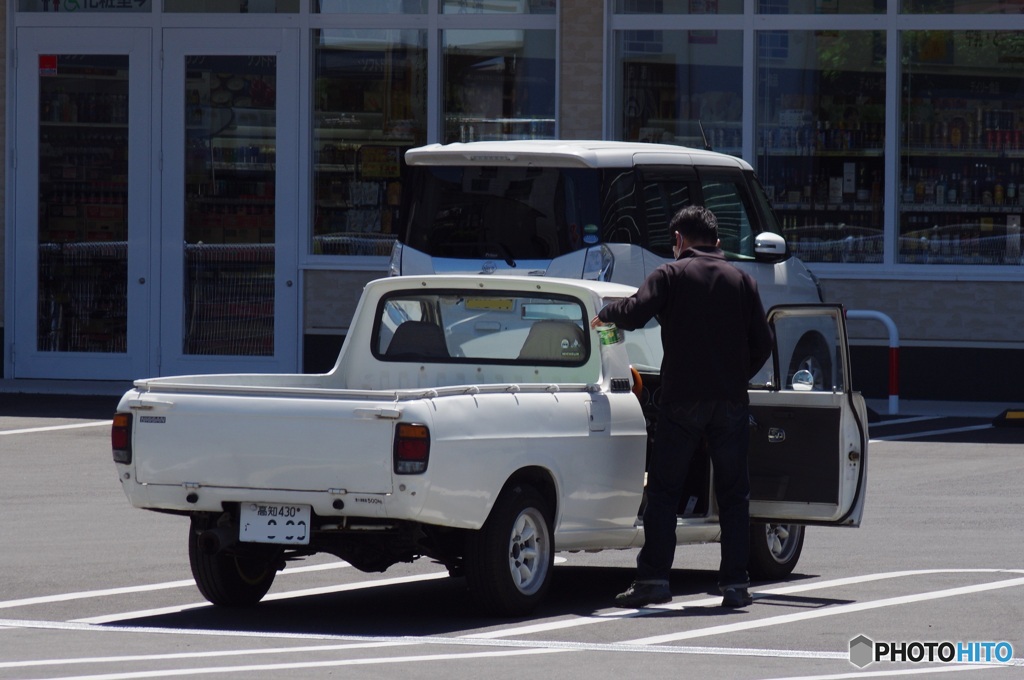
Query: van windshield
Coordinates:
[508,213]
[515,213]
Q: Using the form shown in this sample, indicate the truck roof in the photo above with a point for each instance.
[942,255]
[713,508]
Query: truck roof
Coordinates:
[566,154]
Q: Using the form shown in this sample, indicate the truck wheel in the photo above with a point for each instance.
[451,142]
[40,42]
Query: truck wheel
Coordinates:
[508,561]
[227,579]
[812,355]
[774,550]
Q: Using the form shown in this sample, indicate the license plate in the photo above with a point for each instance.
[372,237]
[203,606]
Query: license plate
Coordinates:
[274,523]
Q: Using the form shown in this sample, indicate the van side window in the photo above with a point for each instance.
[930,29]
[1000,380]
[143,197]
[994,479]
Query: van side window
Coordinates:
[619,211]
[663,197]
[725,194]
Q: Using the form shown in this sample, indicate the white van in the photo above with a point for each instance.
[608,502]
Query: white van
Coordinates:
[592,210]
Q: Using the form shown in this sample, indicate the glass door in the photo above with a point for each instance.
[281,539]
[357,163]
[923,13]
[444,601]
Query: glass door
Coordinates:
[82,203]
[230,201]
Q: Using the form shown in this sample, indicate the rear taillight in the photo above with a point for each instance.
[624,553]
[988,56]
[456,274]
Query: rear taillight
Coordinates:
[412,449]
[121,438]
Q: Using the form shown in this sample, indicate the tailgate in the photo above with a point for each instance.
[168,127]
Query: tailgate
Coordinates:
[256,442]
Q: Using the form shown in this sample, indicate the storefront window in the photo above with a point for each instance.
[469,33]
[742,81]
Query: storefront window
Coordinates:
[961,147]
[821,6]
[678,6]
[371,6]
[820,140]
[83,201]
[961,6]
[85,6]
[673,83]
[498,84]
[498,6]
[370,105]
[231,6]
[230,225]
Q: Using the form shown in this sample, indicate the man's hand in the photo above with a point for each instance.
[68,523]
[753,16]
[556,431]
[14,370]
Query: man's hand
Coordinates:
[596,321]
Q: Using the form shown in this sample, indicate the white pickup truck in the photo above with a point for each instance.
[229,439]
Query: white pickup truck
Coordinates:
[480,422]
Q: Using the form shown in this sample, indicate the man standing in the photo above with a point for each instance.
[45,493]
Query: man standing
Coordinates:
[715,339]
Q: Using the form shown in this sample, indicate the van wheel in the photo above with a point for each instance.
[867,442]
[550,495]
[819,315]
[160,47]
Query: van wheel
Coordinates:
[231,580]
[508,562]
[812,355]
[774,550]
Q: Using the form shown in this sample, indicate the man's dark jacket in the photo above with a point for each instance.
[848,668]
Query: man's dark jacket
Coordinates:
[713,325]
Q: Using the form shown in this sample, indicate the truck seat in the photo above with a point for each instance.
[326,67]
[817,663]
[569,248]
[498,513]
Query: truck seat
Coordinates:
[553,340]
[416,340]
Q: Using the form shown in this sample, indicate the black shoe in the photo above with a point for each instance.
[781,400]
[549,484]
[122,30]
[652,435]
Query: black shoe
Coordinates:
[642,594]
[736,597]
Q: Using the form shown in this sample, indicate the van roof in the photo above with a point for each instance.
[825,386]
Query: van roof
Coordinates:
[566,154]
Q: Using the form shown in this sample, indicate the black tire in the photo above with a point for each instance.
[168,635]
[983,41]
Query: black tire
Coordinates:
[811,354]
[508,562]
[229,579]
[774,550]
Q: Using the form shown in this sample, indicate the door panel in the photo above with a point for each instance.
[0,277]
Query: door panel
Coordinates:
[808,449]
[230,202]
[792,454]
[82,203]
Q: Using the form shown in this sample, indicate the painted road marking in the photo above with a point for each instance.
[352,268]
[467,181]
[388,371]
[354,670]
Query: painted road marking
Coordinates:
[126,590]
[518,647]
[932,433]
[511,647]
[53,428]
[930,670]
[829,611]
[164,611]
[715,601]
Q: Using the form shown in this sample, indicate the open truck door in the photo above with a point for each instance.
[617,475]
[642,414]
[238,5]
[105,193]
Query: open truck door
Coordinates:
[809,432]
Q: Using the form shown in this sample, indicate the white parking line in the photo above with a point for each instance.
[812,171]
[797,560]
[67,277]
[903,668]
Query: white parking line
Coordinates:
[520,647]
[828,611]
[715,601]
[164,611]
[931,433]
[298,665]
[52,428]
[928,670]
[502,638]
[126,590]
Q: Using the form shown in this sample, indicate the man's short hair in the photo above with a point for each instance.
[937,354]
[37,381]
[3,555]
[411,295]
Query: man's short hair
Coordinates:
[697,224]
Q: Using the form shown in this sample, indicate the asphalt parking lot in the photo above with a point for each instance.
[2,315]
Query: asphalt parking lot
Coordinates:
[93,588]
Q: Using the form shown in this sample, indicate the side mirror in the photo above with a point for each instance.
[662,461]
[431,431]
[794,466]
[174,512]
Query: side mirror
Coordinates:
[770,247]
[803,381]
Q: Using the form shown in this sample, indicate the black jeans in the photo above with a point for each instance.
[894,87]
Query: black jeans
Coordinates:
[681,428]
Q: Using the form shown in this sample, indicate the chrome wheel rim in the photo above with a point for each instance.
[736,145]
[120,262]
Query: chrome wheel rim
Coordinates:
[782,541]
[529,551]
